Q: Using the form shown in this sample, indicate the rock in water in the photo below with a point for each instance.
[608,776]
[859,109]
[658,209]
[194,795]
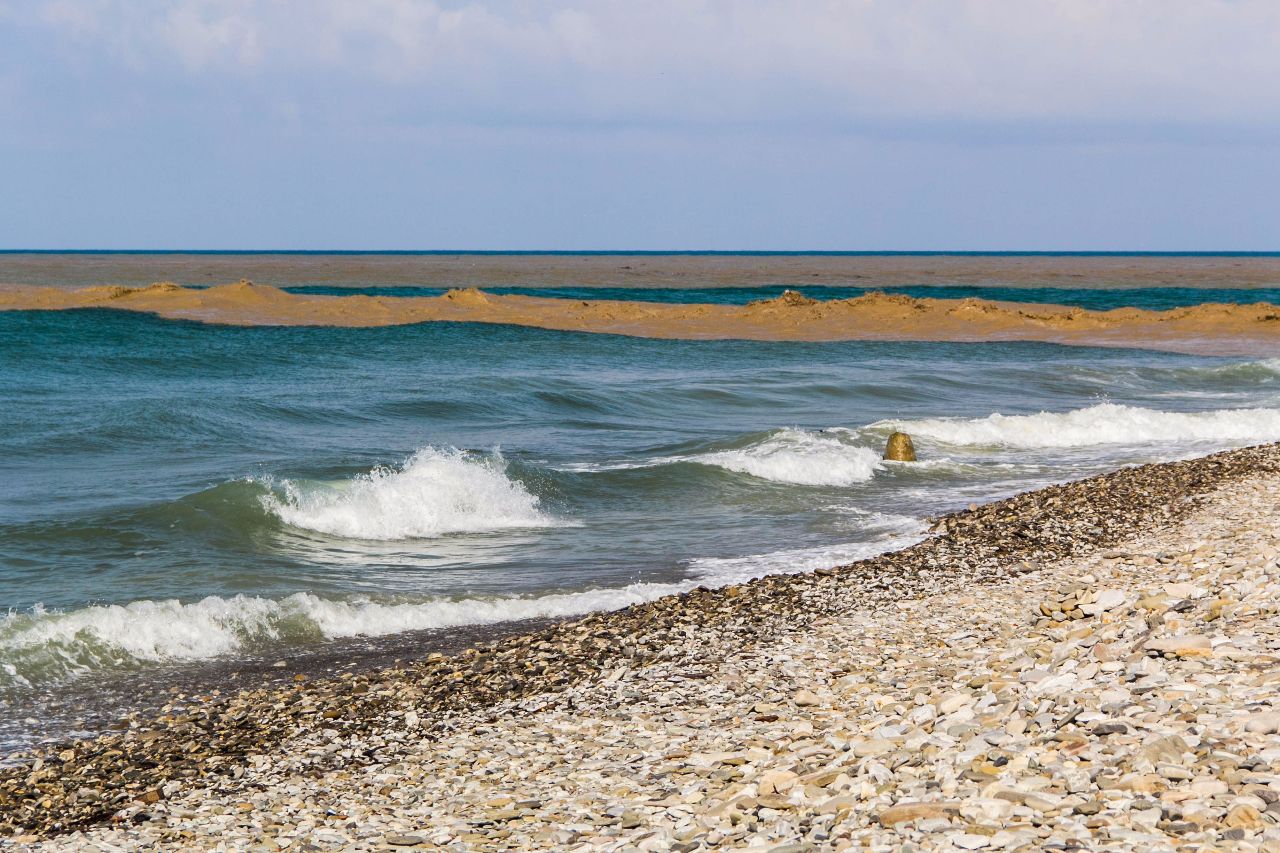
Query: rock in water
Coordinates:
[899,448]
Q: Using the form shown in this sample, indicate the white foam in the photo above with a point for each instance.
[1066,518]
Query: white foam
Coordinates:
[801,457]
[601,467]
[42,646]
[435,493]
[1106,423]
[722,571]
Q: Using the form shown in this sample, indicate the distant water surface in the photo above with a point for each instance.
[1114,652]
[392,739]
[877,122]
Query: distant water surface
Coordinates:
[642,270]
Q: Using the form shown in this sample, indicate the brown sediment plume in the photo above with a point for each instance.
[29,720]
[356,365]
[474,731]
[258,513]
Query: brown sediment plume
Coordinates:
[1207,328]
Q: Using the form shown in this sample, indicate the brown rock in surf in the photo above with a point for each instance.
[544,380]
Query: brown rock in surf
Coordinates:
[899,448]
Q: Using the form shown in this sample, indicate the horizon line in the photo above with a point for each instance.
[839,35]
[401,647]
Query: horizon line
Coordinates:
[675,252]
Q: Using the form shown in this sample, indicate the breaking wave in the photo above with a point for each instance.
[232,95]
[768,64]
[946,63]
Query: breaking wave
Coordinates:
[894,531]
[40,646]
[436,492]
[800,457]
[1106,423]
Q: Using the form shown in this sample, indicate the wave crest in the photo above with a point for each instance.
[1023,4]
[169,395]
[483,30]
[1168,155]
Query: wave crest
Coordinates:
[436,492]
[1106,423]
[800,457]
[40,647]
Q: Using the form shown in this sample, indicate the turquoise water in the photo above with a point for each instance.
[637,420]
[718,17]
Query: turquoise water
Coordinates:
[1094,298]
[177,492]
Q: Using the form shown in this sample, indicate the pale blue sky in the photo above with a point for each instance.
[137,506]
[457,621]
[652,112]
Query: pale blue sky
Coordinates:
[697,124]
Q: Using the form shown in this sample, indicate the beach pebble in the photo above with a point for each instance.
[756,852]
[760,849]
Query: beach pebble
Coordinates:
[1107,599]
[1264,724]
[904,812]
[1182,646]
[966,841]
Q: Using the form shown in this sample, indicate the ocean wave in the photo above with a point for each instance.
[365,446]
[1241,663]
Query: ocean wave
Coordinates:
[795,456]
[41,646]
[606,467]
[897,532]
[801,457]
[1262,368]
[1106,423]
[436,492]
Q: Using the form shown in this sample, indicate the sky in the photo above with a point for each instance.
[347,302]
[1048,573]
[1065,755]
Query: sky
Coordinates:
[664,124]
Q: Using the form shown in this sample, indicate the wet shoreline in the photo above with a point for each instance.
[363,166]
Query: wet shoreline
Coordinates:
[100,703]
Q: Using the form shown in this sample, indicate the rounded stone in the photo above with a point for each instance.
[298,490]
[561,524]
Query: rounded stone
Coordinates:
[899,448]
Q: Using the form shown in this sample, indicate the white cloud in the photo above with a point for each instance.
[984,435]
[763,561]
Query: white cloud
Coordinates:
[987,60]
[209,32]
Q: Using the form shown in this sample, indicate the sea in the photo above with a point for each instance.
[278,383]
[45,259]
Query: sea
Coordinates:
[188,508]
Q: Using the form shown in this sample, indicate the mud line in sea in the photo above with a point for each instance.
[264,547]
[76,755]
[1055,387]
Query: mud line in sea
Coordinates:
[1206,328]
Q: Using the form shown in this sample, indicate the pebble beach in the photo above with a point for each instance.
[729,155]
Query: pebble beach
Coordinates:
[1087,666]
